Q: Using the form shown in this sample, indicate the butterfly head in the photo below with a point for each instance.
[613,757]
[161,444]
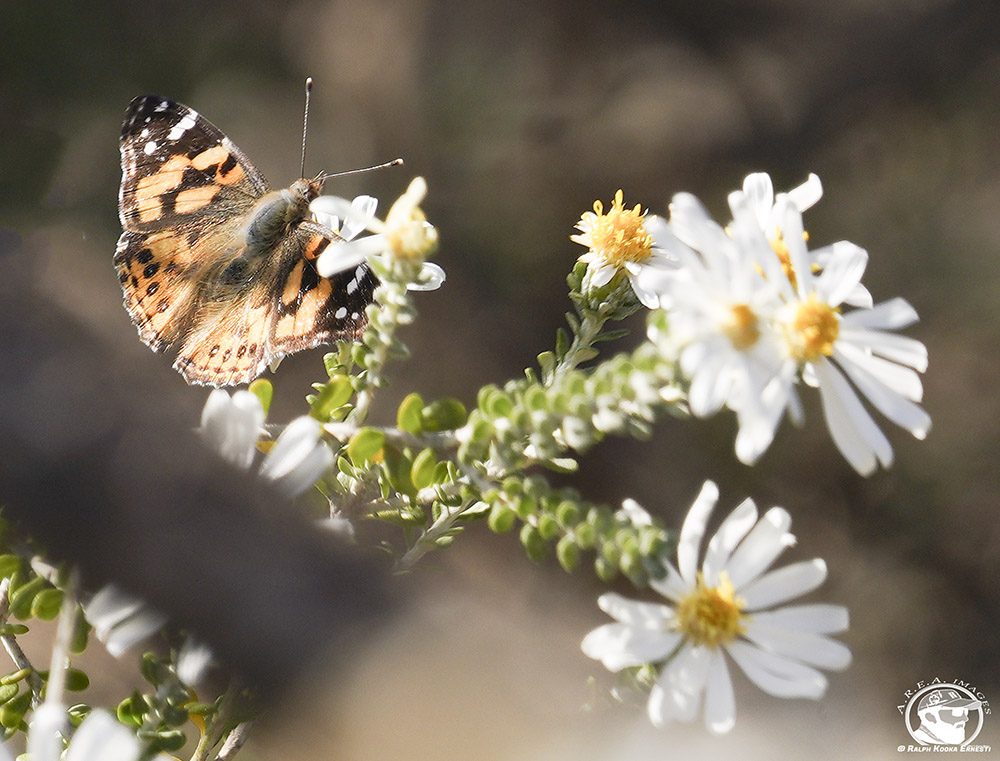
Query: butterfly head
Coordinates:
[308,189]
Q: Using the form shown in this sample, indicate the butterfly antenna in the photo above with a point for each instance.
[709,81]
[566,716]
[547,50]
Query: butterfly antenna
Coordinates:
[305,126]
[324,176]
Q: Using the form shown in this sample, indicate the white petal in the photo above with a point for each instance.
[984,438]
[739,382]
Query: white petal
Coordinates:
[677,693]
[109,607]
[720,704]
[692,224]
[805,647]
[842,272]
[760,193]
[897,408]
[298,458]
[193,660]
[360,215]
[48,723]
[816,618]
[231,425]
[710,386]
[693,530]
[346,255]
[854,432]
[791,229]
[720,547]
[806,195]
[763,544]
[637,515]
[889,315]
[859,297]
[648,297]
[783,584]
[330,206]
[907,351]
[671,586]
[431,278]
[777,675]
[601,275]
[618,646]
[898,378]
[101,738]
[133,630]
[643,615]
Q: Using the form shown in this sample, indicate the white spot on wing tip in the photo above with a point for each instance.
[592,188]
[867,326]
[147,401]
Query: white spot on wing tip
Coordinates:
[352,286]
[341,313]
[150,147]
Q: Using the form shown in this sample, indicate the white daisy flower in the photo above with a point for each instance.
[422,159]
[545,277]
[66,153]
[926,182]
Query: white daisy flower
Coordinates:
[825,345]
[726,607]
[405,234]
[760,196]
[721,311]
[232,426]
[626,240]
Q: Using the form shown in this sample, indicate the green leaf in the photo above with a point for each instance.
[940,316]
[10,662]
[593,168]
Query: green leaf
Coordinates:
[501,519]
[585,353]
[81,631]
[20,601]
[443,415]
[408,416]
[398,467]
[548,527]
[364,445]
[562,343]
[605,571]
[611,335]
[77,713]
[568,554]
[12,712]
[533,542]
[264,391]
[547,363]
[9,564]
[46,604]
[422,473]
[13,630]
[332,395]
[76,680]
[7,691]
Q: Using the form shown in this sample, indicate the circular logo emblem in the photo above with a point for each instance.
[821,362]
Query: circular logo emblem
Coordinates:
[944,714]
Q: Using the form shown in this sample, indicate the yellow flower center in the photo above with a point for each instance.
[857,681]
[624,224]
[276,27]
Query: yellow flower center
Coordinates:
[618,237]
[741,327]
[812,330]
[711,616]
[781,250]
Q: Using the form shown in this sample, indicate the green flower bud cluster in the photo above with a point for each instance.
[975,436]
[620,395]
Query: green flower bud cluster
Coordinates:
[157,717]
[559,517]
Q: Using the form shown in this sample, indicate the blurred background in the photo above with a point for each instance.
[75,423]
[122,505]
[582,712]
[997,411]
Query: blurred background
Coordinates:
[519,115]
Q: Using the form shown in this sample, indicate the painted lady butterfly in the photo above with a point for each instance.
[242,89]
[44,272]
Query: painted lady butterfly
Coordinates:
[213,262]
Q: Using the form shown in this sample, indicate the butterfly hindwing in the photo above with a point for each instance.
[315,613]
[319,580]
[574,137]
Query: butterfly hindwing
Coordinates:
[313,310]
[285,308]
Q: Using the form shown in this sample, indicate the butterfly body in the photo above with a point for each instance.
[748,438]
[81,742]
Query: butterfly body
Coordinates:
[213,262]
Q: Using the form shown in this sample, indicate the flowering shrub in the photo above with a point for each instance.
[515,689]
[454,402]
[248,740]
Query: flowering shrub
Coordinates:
[742,315]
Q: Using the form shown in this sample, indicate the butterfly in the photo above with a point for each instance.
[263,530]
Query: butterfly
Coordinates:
[213,262]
